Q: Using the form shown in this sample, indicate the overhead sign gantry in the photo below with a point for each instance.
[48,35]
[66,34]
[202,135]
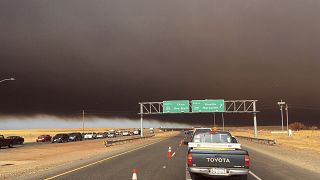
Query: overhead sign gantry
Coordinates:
[199,106]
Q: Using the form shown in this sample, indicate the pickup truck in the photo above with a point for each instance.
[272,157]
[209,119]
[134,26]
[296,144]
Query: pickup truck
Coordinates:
[217,155]
[5,142]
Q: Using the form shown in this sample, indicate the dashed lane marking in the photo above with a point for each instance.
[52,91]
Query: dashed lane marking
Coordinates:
[100,161]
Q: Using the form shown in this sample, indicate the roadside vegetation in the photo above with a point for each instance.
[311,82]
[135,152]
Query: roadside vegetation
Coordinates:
[306,138]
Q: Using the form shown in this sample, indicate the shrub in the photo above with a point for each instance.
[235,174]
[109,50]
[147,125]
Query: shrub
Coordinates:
[313,127]
[296,126]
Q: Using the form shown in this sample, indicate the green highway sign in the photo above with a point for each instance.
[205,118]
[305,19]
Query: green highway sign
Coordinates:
[179,106]
[208,105]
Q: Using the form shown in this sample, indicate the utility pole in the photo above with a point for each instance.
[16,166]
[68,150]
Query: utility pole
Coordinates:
[287,113]
[82,121]
[281,104]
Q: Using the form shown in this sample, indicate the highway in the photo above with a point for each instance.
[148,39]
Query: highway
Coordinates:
[30,144]
[151,162]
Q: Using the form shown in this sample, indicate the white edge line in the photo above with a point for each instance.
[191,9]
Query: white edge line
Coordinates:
[255,176]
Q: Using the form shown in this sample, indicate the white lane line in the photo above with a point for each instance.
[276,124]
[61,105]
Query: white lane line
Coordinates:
[255,176]
[188,176]
[106,159]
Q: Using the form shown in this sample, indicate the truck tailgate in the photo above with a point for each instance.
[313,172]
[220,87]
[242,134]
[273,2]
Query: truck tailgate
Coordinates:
[218,158]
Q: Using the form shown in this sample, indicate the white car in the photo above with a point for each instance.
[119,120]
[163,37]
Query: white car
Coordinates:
[90,135]
[102,135]
[125,133]
[201,130]
[136,132]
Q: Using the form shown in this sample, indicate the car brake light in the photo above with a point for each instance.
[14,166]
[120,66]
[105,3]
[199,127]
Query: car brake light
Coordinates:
[246,161]
[189,159]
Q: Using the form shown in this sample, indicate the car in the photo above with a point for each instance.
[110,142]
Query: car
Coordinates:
[102,135]
[5,142]
[217,154]
[75,136]
[83,134]
[60,138]
[188,132]
[201,130]
[119,133]
[125,133]
[91,135]
[44,138]
[17,140]
[111,134]
[136,132]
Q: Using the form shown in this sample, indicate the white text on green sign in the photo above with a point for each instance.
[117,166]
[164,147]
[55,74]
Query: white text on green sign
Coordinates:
[178,106]
[208,105]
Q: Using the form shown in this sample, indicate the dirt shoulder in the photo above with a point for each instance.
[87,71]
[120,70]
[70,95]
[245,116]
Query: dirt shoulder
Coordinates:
[307,159]
[306,140]
[29,160]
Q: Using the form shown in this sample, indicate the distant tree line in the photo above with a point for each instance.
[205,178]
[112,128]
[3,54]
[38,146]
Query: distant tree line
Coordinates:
[297,126]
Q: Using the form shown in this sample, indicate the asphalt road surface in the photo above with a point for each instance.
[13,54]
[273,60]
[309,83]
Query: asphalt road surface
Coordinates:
[151,162]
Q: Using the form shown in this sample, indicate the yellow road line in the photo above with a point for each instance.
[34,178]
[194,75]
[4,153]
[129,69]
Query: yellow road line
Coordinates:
[97,162]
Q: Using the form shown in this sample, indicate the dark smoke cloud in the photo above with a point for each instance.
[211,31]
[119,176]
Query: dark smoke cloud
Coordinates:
[105,56]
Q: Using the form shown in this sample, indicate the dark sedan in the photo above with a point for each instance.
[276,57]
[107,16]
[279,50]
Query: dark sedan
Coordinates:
[111,134]
[16,139]
[60,138]
[44,138]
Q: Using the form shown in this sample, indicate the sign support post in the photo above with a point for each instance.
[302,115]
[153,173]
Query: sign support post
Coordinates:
[141,120]
[200,106]
[214,119]
[222,121]
[255,120]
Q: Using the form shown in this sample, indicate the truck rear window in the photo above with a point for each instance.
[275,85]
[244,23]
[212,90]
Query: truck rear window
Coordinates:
[212,138]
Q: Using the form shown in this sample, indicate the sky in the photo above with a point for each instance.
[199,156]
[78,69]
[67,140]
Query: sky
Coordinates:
[105,56]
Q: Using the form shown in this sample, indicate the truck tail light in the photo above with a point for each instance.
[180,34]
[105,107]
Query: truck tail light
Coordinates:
[246,161]
[189,159]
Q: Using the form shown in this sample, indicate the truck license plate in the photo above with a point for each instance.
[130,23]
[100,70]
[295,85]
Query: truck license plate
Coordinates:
[217,171]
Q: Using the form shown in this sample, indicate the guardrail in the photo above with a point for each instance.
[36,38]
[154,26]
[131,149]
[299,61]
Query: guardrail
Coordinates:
[108,143]
[259,140]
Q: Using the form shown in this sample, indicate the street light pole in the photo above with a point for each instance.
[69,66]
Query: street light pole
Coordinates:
[281,117]
[83,121]
[281,103]
[9,79]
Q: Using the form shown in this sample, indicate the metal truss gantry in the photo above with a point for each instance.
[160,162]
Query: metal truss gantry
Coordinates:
[231,106]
